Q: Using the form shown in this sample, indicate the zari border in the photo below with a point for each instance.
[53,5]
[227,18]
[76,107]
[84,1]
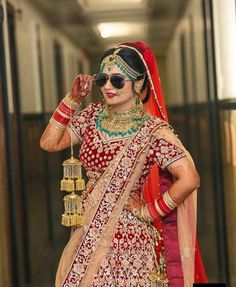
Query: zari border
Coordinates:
[93,241]
[186,218]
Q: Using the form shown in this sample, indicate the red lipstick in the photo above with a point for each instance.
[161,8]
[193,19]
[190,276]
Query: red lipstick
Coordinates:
[111,95]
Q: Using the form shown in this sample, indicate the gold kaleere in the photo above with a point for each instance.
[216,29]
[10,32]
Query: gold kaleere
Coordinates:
[159,277]
[73,215]
[72,181]
[72,175]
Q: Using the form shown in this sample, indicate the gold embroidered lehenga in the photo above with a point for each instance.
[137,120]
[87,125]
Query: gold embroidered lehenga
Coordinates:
[115,248]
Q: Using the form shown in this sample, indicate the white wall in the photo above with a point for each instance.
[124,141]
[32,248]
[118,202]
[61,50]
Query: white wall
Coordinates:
[190,27]
[28,66]
[174,70]
[225,47]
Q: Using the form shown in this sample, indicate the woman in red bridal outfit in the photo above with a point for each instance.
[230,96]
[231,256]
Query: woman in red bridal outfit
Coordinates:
[139,226]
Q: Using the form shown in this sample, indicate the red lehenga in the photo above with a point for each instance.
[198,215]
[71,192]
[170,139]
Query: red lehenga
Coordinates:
[130,258]
[114,248]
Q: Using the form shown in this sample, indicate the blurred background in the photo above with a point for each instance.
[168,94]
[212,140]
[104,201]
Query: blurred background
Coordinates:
[43,46]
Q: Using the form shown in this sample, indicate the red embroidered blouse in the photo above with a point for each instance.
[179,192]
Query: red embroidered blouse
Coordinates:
[96,151]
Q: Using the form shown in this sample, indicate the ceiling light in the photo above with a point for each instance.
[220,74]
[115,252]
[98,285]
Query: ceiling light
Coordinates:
[121,29]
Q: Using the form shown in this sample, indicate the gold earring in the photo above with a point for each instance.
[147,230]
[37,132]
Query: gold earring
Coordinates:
[137,99]
[137,93]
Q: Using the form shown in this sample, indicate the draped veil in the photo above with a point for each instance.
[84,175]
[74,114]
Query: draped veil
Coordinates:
[192,266]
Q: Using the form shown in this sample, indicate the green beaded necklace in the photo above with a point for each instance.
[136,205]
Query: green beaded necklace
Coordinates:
[120,123]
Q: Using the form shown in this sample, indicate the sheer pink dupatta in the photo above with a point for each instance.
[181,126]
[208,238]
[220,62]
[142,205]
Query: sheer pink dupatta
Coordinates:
[186,212]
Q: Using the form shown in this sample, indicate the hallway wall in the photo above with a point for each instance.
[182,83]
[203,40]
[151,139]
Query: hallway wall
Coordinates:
[43,63]
[201,100]
[37,203]
[189,113]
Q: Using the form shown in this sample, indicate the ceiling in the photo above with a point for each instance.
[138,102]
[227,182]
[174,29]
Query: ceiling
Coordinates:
[152,21]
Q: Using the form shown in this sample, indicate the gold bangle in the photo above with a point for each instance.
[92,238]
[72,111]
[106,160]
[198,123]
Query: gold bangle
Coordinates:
[145,215]
[148,216]
[136,212]
[142,215]
[70,102]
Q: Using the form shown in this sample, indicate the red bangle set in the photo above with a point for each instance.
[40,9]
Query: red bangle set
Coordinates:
[161,207]
[64,108]
[63,113]
[152,211]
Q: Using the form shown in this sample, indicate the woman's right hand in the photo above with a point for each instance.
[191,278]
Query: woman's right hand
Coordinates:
[81,88]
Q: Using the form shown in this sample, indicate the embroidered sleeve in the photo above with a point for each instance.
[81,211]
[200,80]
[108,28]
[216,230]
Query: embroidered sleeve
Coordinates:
[83,119]
[166,148]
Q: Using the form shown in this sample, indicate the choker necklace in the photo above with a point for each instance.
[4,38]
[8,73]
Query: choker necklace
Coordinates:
[125,123]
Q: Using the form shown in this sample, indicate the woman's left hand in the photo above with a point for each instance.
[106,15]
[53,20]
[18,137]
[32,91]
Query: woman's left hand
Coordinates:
[134,204]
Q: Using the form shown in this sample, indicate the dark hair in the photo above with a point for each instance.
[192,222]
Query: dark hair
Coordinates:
[134,61]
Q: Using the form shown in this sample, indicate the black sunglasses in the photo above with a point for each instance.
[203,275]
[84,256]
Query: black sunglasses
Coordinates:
[117,80]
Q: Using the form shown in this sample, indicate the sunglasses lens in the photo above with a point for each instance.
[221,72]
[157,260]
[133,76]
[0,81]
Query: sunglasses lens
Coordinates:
[100,80]
[117,81]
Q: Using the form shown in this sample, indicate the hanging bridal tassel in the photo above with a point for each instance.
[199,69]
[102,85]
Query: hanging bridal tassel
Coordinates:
[159,277]
[72,181]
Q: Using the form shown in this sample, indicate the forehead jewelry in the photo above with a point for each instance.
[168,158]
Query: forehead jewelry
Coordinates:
[115,59]
[149,77]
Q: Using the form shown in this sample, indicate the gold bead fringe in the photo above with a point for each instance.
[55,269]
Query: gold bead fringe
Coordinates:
[73,203]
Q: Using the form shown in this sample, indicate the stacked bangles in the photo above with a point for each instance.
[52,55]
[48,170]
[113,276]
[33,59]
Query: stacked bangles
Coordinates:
[142,213]
[64,112]
[152,211]
[164,204]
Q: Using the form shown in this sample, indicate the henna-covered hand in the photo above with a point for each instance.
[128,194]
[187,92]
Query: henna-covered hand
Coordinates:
[81,88]
[134,203]
[138,208]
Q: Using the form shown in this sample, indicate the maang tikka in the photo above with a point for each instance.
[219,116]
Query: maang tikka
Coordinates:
[117,60]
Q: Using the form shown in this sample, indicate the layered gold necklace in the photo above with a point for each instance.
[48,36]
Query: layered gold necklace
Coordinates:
[125,123]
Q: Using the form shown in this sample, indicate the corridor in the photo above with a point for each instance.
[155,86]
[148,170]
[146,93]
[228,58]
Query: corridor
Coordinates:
[43,46]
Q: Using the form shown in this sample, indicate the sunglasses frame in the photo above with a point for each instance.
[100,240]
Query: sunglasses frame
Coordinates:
[109,77]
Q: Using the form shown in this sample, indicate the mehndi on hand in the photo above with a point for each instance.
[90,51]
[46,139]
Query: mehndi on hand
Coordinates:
[81,87]
[138,208]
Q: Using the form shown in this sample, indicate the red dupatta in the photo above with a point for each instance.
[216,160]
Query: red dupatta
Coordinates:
[156,106]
